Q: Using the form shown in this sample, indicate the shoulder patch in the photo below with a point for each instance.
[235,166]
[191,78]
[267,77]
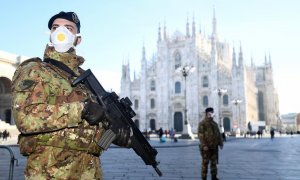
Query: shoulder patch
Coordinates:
[26,84]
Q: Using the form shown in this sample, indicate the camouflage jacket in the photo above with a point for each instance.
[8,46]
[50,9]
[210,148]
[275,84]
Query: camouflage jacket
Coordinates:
[209,134]
[47,109]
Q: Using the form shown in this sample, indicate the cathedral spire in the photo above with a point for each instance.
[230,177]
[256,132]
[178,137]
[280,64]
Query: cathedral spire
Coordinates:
[214,33]
[165,31]
[159,33]
[128,62]
[187,28]
[233,58]
[126,70]
[193,27]
[266,60]
[143,60]
[241,61]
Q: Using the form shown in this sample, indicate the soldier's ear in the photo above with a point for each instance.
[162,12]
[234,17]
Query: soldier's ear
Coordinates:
[77,40]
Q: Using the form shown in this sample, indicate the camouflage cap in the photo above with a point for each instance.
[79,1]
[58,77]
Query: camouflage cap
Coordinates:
[70,16]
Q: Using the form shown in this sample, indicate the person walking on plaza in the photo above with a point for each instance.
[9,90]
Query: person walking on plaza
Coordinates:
[272,133]
[223,133]
[166,133]
[60,124]
[210,140]
[160,134]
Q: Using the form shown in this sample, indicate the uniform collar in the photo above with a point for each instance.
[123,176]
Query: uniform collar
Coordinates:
[69,58]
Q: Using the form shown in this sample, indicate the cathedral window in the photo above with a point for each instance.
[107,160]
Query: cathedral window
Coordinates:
[136,104]
[177,60]
[152,103]
[152,85]
[204,81]
[177,87]
[225,100]
[205,101]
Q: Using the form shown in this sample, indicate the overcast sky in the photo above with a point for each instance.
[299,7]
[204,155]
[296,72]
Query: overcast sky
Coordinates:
[115,30]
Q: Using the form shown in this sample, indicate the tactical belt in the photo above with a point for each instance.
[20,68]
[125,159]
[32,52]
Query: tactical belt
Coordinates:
[28,144]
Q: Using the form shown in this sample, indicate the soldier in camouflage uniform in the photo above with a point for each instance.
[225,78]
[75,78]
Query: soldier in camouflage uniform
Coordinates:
[210,138]
[59,124]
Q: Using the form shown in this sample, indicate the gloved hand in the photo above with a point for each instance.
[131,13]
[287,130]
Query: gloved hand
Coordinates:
[92,112]
[123,137]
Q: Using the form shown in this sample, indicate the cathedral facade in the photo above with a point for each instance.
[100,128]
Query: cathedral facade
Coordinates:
[191,72]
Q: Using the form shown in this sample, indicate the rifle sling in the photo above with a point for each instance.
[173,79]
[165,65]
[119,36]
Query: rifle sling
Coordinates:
[61,66]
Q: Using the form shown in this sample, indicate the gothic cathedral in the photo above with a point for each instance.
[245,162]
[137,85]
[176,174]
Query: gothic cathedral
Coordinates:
[191,72]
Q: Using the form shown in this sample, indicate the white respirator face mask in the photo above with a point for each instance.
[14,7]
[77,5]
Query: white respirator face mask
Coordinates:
[62,39]
[212,114]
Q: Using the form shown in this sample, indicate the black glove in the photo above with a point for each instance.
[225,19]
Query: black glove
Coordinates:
[92,112]
[123,137]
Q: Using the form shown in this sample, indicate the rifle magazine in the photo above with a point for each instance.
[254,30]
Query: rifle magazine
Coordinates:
[106,139]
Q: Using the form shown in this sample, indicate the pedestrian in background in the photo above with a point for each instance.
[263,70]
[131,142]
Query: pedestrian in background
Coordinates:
[259,134]
[210,140]
[160,134]
[223,133]
[166,133]
[272,133]
[171,133]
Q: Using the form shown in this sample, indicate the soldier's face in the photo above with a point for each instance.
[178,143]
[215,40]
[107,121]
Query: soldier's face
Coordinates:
[210,114]
[69,25]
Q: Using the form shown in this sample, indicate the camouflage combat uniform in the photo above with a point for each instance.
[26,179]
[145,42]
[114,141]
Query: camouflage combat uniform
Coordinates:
[209,135]
[47,110]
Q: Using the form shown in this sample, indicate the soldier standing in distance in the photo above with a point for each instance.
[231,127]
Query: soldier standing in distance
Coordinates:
[210,138]
[60,125]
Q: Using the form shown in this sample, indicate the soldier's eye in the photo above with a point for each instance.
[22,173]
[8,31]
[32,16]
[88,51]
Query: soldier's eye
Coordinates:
[54,28]
[70,28]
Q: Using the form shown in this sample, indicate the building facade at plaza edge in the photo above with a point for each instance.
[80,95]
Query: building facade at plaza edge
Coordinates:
[239,93]
[8,65]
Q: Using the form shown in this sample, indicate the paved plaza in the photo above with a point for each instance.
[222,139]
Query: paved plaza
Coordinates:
[245,159]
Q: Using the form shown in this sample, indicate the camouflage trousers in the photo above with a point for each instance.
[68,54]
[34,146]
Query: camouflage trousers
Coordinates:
[48,162]
[211,156]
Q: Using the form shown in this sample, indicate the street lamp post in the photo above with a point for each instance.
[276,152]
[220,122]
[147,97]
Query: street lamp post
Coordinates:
[187,133]
[236,102]
[221,91]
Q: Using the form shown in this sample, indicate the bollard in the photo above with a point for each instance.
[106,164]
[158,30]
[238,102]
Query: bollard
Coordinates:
[12,161]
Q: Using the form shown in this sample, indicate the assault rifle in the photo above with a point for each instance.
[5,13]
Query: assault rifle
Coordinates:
[119,114]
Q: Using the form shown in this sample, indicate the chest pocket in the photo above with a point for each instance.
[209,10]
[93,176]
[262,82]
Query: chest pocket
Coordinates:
[58,87]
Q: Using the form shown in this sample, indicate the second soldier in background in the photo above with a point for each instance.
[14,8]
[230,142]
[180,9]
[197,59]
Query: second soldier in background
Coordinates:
[210,140]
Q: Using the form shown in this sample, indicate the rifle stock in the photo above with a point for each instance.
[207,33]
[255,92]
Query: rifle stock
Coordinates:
[119,114]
